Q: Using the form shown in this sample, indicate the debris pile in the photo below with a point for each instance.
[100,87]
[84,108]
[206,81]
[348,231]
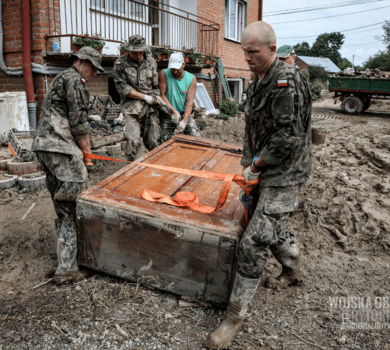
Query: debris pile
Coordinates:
[105,117]
[368,73]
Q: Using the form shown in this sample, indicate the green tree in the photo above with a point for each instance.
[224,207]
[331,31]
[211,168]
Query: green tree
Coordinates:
[344,63]
[385,38]
[302,49]
[380,60]
[328,45]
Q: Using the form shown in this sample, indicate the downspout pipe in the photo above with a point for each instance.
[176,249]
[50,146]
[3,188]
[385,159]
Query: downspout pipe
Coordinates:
[260,10]
[26,51]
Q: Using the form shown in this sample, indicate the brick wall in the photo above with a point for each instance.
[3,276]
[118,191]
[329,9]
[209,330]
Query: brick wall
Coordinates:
[302,65]
[97,85]
[231,53]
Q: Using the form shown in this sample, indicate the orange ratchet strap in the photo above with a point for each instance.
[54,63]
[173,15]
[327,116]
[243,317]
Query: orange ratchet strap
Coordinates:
[188,199]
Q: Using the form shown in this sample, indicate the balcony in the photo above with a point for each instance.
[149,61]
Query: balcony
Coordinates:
[113,21]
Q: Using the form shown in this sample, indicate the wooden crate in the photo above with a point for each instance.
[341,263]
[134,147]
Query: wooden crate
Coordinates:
[175,249]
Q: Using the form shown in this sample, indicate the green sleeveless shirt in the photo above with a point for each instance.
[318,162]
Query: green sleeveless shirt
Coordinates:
[177,89]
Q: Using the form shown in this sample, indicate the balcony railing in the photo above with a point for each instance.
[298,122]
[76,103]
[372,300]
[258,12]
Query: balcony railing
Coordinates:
[115,20]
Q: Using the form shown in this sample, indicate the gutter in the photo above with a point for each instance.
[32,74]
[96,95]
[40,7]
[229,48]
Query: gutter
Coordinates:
[26,51]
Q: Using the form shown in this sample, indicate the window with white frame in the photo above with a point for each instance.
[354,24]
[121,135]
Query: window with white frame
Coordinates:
[235,19]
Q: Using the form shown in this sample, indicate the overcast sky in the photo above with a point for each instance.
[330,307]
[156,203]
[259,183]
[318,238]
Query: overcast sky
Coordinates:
[362,44]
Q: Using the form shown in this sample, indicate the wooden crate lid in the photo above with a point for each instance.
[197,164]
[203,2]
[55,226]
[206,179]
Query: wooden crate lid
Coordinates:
[124,188]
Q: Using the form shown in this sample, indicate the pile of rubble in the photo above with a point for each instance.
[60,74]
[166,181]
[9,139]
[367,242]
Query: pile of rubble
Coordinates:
[368,73]
[105,117]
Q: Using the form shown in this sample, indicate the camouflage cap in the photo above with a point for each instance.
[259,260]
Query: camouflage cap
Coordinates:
[90,54]
[285,51]
[136,43]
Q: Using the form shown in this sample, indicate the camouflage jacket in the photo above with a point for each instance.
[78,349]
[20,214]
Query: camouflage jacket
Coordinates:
[63,115]
[129,75]
[278,126]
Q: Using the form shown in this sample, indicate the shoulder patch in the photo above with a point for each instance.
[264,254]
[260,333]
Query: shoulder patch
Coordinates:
[83,80]
[283,83]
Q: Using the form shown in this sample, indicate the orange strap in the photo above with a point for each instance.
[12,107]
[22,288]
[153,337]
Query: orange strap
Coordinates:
[11,149]
[188,199]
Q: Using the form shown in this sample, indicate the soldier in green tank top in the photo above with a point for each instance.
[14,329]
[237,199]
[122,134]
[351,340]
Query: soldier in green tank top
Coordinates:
[178,89]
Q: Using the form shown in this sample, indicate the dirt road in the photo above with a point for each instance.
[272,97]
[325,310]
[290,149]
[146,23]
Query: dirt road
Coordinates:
[342,225]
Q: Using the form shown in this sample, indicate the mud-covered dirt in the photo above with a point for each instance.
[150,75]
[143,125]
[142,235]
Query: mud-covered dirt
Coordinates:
[342,226]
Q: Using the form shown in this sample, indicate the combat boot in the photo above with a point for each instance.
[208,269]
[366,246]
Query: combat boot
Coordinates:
[243,291]
[68,269]
[288,255]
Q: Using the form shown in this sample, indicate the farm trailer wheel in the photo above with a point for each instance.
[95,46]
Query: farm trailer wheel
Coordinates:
[352,105]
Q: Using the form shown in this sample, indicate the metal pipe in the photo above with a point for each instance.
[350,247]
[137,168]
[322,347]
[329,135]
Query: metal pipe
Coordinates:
[260,10]
[26,51]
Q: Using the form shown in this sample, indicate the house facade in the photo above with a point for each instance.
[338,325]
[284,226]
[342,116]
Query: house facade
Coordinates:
[42,31]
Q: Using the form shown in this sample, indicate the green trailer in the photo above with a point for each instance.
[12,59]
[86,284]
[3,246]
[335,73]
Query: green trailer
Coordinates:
[356,93]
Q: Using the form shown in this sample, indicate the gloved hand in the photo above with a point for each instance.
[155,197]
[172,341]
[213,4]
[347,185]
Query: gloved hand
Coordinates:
[159,102]
[180,127]
[249,175]
[246,199]
[150,100]
[176,117]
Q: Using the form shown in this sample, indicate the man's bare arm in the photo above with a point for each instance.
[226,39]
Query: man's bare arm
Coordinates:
[162,84]
[190,100]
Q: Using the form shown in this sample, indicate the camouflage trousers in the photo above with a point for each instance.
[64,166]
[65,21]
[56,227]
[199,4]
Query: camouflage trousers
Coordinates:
[148,128]
[59,167]
[267,228]
[168,127]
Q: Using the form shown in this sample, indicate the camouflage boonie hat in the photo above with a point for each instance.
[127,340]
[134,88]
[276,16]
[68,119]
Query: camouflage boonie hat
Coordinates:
[90,54]
[285,51]
[136,43]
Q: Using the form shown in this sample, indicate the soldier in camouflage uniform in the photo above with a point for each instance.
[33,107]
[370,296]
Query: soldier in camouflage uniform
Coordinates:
[60,140]
[136,79]
[277,149]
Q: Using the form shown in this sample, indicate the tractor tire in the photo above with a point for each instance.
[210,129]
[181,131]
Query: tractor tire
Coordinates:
[352,105]
[33,182]
[8,183]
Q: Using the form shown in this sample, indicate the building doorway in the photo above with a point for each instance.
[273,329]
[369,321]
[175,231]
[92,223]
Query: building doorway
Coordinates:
[235,86]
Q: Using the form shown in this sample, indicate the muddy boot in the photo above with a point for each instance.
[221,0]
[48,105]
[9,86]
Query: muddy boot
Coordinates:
[68,269]
[243,291]
[65,276]
[288,255]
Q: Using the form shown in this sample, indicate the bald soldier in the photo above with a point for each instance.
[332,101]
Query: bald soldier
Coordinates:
[277,149]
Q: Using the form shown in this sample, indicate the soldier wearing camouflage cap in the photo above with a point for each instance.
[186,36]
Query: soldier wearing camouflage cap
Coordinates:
[60,143]
[136,80]
[277,151]
[287,54]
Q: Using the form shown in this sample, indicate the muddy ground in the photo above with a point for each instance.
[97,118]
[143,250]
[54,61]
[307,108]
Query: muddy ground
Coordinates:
[342,226]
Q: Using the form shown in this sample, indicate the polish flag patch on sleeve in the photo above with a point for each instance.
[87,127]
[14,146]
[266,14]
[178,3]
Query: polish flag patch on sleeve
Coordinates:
[283,83]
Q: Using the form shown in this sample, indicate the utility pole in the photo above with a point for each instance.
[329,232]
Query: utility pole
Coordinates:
[260,10]
[353,61]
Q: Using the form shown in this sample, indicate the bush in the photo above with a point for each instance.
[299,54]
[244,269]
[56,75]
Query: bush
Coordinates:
[222,116]
[229,107]
[94,43]
[318,73]
[316,87]
[306,74]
